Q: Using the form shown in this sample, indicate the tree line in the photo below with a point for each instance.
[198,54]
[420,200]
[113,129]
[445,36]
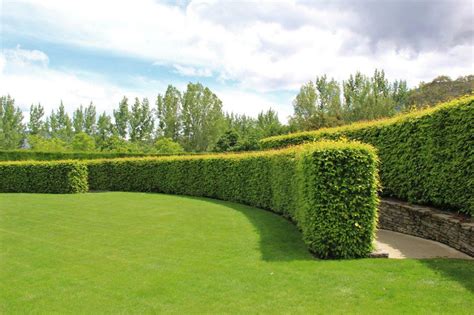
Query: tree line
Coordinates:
[194,121]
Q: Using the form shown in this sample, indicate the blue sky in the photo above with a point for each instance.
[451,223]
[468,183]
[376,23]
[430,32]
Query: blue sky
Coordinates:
[253,55]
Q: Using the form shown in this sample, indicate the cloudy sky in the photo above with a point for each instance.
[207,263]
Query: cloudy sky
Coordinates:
[252,55]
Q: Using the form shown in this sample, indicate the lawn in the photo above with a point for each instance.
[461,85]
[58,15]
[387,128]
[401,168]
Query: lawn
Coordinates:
[153,253]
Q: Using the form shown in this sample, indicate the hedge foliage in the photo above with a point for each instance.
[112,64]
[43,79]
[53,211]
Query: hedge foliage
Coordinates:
[24,155]
[329,188]
[427,156]
[43,177]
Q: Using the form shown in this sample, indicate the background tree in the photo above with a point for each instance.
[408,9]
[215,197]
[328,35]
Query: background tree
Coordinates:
[40,143]
[78,120]
[11,126]
[63,124]
[304,107]
[105,130]
[167,146]
[441,89]
[268,124]
[168,113]
[141,121]
[229,141]
[83,142]
[202,118]
[121,116]
[36,125]
[90,120]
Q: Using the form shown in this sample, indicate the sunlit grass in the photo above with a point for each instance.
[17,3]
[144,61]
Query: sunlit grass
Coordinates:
[151,253]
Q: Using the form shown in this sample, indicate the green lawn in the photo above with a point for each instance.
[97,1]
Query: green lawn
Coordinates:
[152,253]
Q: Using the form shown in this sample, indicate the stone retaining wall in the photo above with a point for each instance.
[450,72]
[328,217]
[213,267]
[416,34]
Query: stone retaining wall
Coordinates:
[444,227]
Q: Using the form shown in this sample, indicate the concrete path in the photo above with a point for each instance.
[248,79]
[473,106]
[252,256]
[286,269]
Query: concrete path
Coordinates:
[400,246]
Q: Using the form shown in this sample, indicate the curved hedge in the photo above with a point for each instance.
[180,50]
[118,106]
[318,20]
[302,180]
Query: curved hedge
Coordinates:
[25,155]
[329,189]
[427,156]
[60,177]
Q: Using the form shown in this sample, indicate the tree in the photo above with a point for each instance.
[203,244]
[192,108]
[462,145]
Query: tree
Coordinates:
[304,107]
[36,125]
[11,126]
[202,118]
[268,124]
[121,117]
[167,146]
[440,89]
[90,121]
[317,105]
[40,143]
[105,129]
[61,124]
[168,113]
[228,141]
[83,142]
[78,120]
[141,121]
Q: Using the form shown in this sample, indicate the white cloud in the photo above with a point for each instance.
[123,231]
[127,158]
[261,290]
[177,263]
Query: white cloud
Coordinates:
[30,81]
[252,103]
[265,47]
[48,87]
[192,71]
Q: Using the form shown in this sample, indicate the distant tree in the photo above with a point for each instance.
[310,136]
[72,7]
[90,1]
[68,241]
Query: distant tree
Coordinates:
[11,126]
[121,117]
[83,142]
[105,130]
[317,105]
[168,113]
[441,89]
[36,125]
[141,121]
[202,118]
[117,144]
[90,120]
[268,124]
[60,124]
[40,143]
[304,106]
[167,146]
[78,120]
[228,141]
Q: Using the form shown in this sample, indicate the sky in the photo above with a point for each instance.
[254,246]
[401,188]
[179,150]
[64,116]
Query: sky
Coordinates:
[253,55]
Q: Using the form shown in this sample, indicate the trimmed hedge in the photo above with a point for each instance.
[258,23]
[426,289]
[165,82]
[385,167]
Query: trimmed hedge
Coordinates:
[25,155]
[329,189]
[43,177]
[427,156]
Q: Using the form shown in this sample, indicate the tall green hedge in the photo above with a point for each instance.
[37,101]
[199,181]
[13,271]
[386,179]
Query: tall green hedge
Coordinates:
[24,155]
[427,156]
[329,188]
[43,177]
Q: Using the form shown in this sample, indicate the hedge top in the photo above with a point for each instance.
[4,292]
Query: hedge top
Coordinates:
[322,145]
[277,141]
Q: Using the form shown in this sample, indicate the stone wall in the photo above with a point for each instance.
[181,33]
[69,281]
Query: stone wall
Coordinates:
[444,227]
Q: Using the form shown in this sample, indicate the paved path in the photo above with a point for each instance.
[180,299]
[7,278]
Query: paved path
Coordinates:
[400,246]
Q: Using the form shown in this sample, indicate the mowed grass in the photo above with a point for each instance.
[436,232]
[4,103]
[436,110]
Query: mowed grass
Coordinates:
[150,253]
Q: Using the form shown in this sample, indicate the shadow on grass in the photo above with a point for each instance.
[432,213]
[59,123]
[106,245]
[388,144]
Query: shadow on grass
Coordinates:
[459,270]
[280,240]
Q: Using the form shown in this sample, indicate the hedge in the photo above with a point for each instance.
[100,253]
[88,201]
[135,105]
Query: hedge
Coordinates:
[427,156]
[43,177]
[24,155]
[329,189]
